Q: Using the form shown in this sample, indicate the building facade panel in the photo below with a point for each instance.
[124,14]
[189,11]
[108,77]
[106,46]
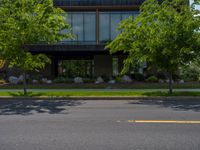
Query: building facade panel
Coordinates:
[96,2]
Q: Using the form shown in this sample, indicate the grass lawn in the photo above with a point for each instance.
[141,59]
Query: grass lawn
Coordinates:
[107,93]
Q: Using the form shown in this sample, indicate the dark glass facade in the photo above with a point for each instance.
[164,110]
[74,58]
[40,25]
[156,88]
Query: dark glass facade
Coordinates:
[93,23]
[85,28]
[96,2]
[109,22]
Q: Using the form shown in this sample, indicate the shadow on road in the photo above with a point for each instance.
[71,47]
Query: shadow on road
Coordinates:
[177,105]
[29,107]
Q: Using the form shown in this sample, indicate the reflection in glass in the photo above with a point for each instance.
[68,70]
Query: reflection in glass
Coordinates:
[104,27]
[77,22]
[115,20]
[89,27]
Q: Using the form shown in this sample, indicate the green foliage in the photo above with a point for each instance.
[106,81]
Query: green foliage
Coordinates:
[27,22]
[119,79]
[138,77]
[152,79]
[162,34]
[166,34]
[88,80]
[61,79]
[76,68]
[190,72]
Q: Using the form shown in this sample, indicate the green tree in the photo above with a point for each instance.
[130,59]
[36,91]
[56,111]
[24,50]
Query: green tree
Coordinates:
[27,22]
[165,34]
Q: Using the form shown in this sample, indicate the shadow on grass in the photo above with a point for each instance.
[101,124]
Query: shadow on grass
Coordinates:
[29,107]
[30,94]
[177,105]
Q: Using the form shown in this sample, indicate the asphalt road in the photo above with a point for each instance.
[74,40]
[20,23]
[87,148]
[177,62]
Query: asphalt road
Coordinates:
[99,125]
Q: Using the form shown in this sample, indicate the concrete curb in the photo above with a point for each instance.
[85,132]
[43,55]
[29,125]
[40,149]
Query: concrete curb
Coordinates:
[103,98]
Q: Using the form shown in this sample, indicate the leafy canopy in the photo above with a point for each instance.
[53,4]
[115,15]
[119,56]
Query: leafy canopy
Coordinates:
[166,34]
[26,22]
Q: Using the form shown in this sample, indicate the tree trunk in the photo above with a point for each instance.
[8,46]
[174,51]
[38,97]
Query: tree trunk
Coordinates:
[170,83]
[24,83]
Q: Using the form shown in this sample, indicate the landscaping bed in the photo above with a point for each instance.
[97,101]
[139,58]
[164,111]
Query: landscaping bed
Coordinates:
[134,85]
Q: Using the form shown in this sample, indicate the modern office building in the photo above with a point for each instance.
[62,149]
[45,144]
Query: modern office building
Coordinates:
[94,23]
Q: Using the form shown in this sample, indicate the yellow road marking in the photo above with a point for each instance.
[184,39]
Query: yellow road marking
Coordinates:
[164,121]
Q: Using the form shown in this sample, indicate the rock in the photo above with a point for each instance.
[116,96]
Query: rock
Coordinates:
[13,80]
[181,81]
[112,82]
[78,80]
[126,79]
[167,81]
[161,81]
[20,79]
[99,80]
[35,82]
[44,80]
[48,82]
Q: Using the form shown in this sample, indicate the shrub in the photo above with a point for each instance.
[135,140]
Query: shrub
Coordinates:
[62,80]
[152,79]
[119,79]
[2,81]
[138,77]
[161,75]
[88,80]
[190,73]
[105,78]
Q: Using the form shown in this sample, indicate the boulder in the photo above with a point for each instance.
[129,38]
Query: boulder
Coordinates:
[99,80]
[44,80]
[78,80]
[161,81]
[20,79]
[112,82]
[49,82]
[181,81]
[126,79]
[13,80]
[167,81]
[35,81]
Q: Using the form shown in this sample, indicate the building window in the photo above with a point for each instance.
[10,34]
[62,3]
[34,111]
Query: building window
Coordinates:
[104,27]
[109,22]
[83,26]
[77,26]
[115,20]
[89,27]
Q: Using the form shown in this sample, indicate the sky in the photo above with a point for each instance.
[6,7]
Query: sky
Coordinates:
[198,7]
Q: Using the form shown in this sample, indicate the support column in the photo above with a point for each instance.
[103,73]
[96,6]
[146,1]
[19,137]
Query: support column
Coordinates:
[103,65]
[121,59]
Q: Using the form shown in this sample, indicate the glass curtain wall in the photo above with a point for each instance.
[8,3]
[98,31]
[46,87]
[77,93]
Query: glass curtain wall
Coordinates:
[109,21]
[83,26]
